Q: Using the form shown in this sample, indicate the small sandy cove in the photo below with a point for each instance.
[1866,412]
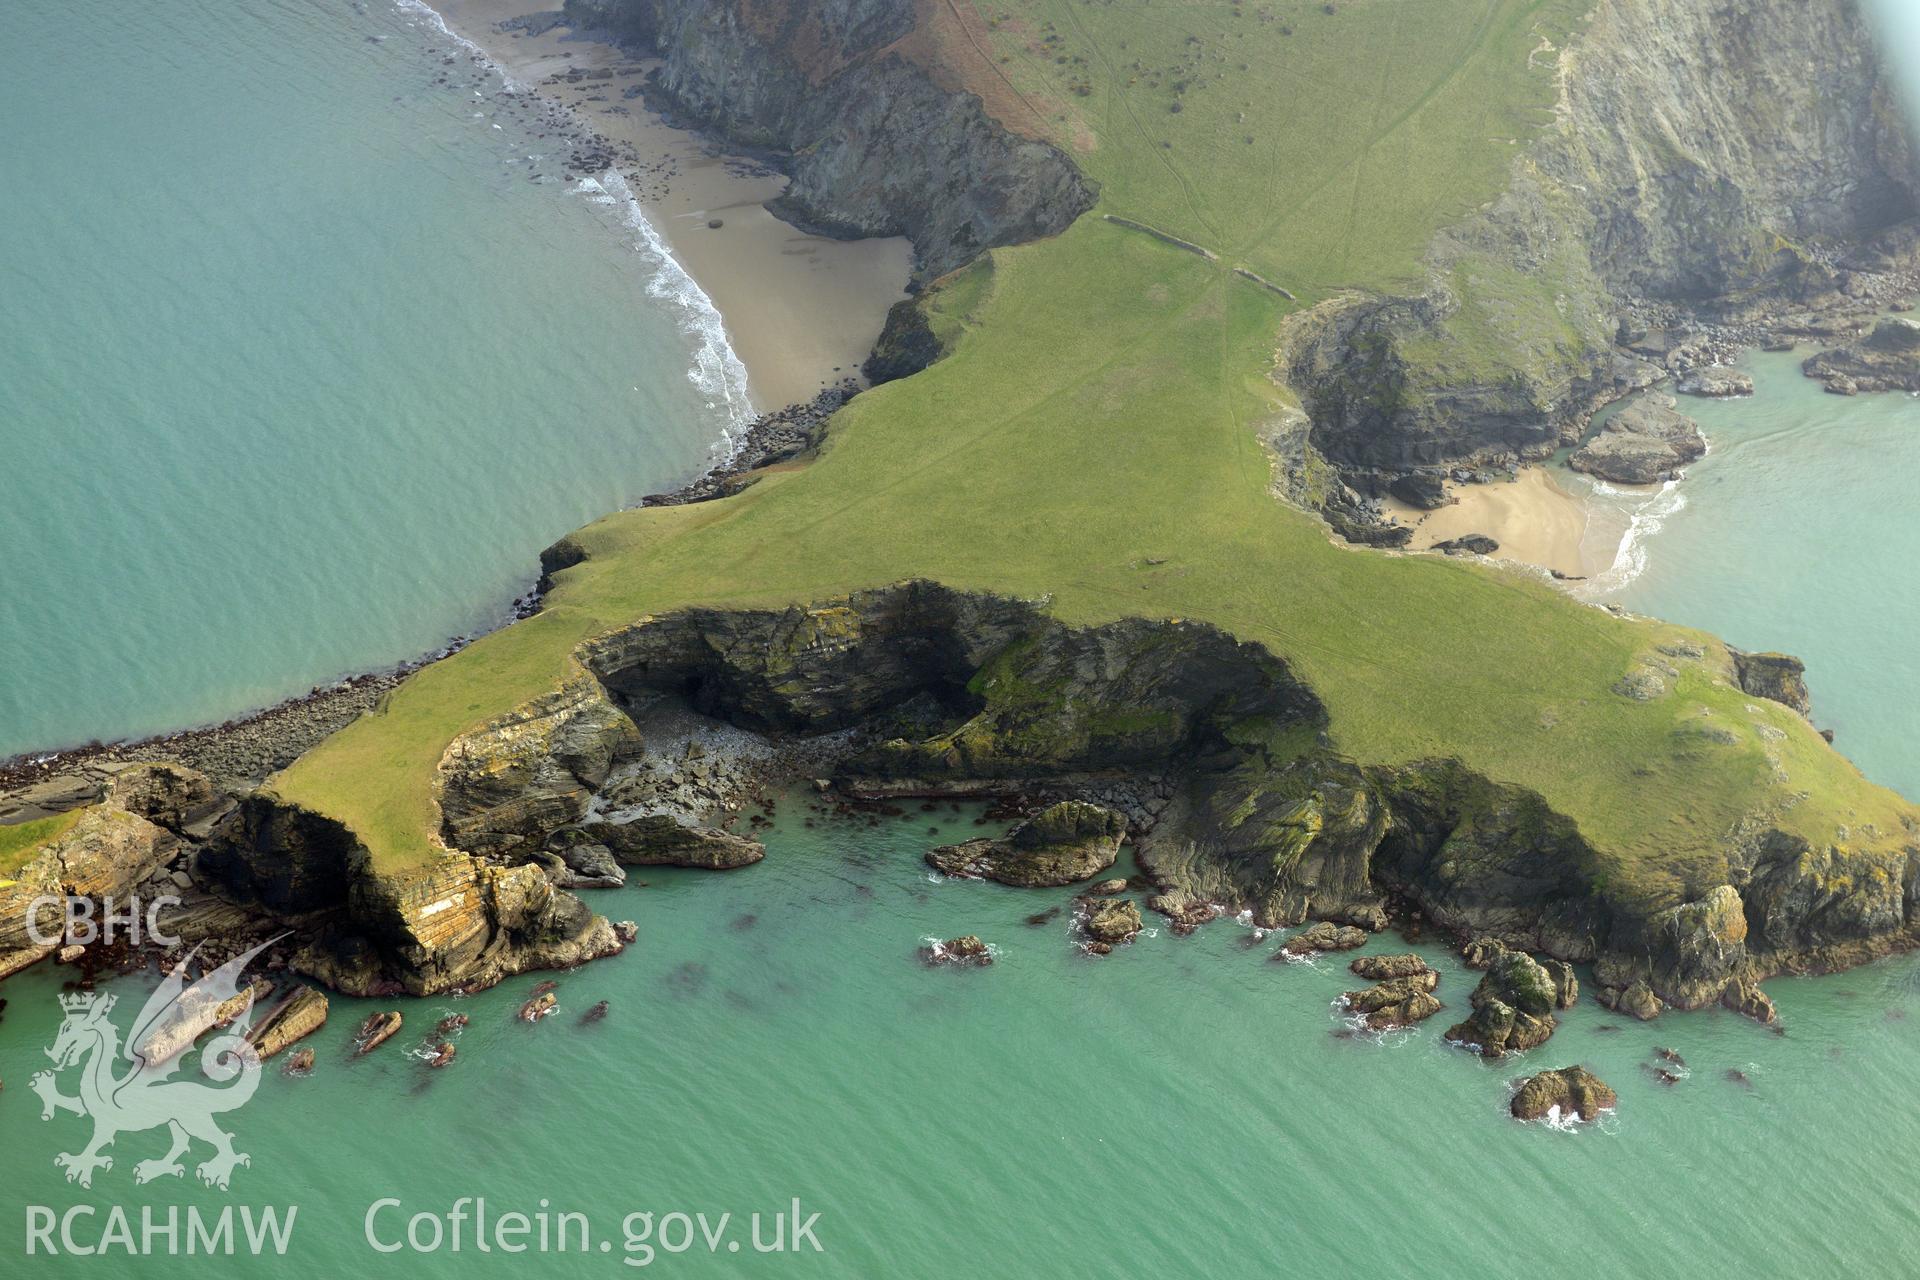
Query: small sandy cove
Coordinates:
[1534,520]
[801,311]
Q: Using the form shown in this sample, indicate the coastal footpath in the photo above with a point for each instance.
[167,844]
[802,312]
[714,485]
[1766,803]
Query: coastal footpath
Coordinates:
[1046,560]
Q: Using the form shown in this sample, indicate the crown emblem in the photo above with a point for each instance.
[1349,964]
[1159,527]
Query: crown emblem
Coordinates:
[84,1001]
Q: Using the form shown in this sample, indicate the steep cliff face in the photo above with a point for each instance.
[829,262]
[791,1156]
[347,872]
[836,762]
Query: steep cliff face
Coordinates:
[957,693]
[1716,155]
[453,921]
[876,146]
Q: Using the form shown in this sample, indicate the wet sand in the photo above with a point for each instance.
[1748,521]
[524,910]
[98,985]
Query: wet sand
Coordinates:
[801,311]
[1534,520]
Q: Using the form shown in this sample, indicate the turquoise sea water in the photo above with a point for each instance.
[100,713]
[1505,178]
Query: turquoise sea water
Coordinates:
[1796,533]
[1186,1106]
[398,367]
[298,368]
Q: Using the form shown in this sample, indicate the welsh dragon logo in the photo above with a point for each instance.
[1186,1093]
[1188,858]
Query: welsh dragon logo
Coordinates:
[130,1090]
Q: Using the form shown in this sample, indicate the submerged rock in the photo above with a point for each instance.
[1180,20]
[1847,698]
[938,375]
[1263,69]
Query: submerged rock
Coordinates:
[299,1062]
[1573,1091]
[539,1007]
[1644,443]
[442,1054]
[1062,844]
[375,1031]
[450,1024]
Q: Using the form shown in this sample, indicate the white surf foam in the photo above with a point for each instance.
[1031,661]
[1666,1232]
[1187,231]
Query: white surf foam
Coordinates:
[717,370]
[426,15]
[1647,514]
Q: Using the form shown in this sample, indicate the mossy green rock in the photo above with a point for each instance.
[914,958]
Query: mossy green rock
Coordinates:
[1062,844]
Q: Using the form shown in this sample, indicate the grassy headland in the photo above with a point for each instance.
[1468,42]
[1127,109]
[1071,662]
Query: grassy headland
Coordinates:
[1093,438]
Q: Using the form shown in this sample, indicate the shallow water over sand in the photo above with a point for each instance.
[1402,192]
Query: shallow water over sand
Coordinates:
[299,369]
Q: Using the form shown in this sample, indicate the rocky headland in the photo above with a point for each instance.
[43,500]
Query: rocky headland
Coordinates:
[1680,209]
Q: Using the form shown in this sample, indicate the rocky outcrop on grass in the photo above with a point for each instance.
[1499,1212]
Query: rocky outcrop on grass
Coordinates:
[1778,677]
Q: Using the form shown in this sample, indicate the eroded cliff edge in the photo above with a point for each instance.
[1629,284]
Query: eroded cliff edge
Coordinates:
[876,144]
[1222,758]
[1743,168]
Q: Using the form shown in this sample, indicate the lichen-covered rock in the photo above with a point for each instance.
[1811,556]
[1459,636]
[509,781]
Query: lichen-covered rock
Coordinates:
[1062,844]
[660,840]
[1778,677]
[1644,443]
[105,854]
[1380,968]
[1566,985]
[1286,844]
[1570,1091]
[1110,923]
[454,922]
[1687,953]
[964,950]
[1636,1000]
[1324,936]
[1512,1007]
[1397,1002]
[508,785]
[165,794]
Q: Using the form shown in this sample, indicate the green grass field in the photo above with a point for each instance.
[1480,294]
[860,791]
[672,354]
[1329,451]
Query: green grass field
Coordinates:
[21,841]
[1093,438]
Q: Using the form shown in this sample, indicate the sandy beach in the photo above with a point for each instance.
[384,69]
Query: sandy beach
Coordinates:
[801,311]
[1534,520]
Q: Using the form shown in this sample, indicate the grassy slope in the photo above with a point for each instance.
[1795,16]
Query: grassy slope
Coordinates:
[21,841]
[1100,410]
